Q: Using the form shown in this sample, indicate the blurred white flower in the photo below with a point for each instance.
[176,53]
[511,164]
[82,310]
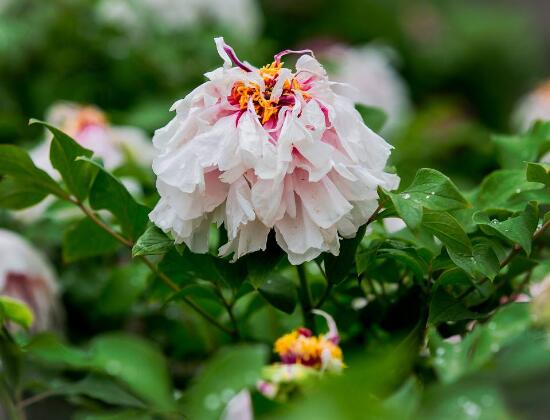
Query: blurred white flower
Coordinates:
[88,125]
[269,148]
[534,106]
[27,276]
[373,80]
[242,17]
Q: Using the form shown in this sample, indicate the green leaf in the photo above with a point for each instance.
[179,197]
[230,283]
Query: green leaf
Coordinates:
[64,152]
[337,268]
[226,374]
[152,242]
[126,284]
[374,118]
[444,307]
[16,311]
[514,151]
[85,239]
[430,189]
[19,194]
[16,163]
[136,363]
[539,172]
[280,292]
[128,359]
[518,229]
[108,193]
[447,229]
[454,360]
[500,186]
[99,388]
[189,267]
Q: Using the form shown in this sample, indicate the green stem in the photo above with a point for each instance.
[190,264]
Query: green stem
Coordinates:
[305,298]
[162,276]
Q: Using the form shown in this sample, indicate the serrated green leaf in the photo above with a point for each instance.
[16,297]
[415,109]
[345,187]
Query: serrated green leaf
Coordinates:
[152,242]
[430,189]
[85,239]
[518,229]
[64,152]
[500,186]
[108,193]
[539,172]
[16,311]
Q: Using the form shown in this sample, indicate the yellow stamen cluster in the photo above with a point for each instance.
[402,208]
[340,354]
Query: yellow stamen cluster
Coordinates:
[306,350]
[263,104]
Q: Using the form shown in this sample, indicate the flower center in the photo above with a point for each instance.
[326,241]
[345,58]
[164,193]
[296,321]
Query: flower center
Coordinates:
[265,106]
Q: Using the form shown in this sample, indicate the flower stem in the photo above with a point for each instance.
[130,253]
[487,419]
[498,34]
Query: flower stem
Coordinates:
[305,298]
[161,275]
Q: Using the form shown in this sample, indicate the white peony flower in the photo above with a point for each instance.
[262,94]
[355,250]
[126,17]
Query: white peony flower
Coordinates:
[269,148]
[25,275]
[373,80]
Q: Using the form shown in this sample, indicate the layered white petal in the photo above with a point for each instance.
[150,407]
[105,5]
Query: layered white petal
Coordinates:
[309,170]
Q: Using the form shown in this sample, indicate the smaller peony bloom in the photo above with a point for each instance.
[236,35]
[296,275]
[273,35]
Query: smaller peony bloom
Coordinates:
[533,107]
[270,148]
[25,275]
[303,356]
[90,127]
[372,80]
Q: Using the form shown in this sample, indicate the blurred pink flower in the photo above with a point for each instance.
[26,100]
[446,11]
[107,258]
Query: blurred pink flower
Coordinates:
[25,275]
[269,148]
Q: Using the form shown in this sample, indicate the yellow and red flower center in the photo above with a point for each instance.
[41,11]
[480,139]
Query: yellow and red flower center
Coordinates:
[87,116]
[301,347]
[265,106]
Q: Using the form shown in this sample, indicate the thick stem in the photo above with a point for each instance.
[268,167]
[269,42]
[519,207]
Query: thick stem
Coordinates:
[305,298]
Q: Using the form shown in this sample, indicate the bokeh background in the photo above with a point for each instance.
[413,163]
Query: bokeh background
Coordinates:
[464,67]
[465,64]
